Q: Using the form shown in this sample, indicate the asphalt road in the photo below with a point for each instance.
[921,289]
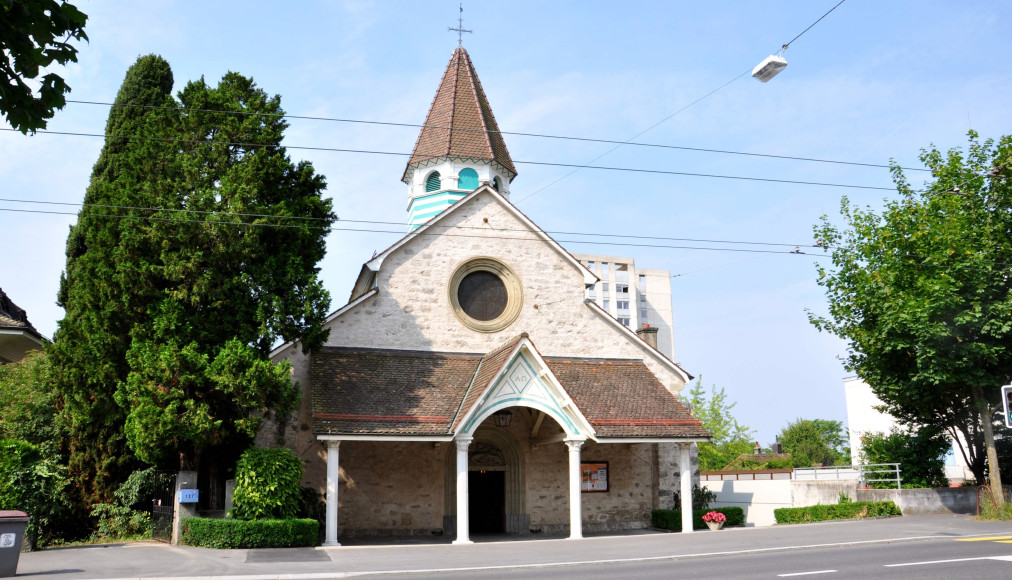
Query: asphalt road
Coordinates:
[905,547]
[922,560]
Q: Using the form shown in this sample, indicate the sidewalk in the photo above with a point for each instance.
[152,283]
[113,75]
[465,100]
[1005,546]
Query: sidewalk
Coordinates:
[156,560]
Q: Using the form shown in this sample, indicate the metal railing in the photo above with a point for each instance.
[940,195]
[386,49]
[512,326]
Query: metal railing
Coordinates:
[865,474]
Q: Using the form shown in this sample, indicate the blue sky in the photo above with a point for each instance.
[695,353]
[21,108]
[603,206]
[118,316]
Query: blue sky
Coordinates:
[873,81]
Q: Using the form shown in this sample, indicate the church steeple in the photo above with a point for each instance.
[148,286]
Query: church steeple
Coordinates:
[459,147]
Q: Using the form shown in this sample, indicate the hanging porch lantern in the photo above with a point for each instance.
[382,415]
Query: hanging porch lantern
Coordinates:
[502,418]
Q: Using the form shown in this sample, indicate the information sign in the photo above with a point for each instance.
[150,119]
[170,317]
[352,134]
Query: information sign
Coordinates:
[189,495]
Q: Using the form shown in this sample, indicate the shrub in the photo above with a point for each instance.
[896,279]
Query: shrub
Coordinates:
[129,516]
[921,456]
[232,534]
[34,485]
[312,506]
[267,485]
[672,519]
[840,511]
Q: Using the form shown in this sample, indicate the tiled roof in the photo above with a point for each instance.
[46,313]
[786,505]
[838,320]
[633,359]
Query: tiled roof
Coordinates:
[391,392]
[490,365]
[622,398]
[12,316]
[388,391]
[460,121]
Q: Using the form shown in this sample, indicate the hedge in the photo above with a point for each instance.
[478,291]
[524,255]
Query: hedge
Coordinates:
[843,511]
[672,519]
[229,533]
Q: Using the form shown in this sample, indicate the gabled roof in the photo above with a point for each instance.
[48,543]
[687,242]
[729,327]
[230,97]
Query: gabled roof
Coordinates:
[376,262]
[460,121]
[382,393]
[17,335]
[14,317]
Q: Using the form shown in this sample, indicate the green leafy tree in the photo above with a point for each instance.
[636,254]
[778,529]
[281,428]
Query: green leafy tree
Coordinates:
[34,484]
[173,304]
[233,283]
[922,294]
[111,276]
[921,455]
[730,438]
[34,34]
[28,404]
[814,441]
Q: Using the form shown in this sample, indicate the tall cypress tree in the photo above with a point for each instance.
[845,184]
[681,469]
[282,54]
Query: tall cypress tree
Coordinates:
[110,275]
[239,274]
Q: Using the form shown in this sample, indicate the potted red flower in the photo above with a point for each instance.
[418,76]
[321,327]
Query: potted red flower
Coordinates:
[714,520]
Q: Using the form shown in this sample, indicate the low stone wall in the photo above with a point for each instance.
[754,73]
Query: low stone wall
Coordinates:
[938,500]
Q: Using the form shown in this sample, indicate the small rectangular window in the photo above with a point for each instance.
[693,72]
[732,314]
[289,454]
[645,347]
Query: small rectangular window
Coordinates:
[622,304]
[605,304]
[624,321]
[643,282]
[590,265]
[643,315]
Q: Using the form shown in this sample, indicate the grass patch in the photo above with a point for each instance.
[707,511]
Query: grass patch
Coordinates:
[989,508]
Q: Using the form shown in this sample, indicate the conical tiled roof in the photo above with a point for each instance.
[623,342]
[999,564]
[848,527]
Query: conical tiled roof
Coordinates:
[460,121]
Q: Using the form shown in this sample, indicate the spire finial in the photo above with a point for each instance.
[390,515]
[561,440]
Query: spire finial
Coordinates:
[460,27]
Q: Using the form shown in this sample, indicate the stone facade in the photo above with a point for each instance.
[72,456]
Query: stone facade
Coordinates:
[399,488]
[411,311]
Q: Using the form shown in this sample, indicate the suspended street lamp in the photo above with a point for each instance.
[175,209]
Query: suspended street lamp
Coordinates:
[770,66]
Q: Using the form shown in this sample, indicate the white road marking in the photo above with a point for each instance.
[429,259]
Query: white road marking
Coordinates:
[352,574]
[1001,558]
[807,573]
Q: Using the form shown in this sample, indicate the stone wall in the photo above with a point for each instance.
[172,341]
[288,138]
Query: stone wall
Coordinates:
[938,500]
[391,488]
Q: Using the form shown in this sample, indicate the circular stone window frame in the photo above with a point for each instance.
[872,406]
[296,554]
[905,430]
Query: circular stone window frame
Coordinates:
[514,294]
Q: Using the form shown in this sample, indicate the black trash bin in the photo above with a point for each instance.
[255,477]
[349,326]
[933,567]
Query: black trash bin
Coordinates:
[12,533]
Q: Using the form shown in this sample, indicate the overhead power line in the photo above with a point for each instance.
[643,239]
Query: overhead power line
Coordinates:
[402,224]
[401,232]
[545,163]
[513,133]
[813,24]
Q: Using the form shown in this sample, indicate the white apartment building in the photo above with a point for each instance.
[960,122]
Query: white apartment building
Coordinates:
[863,417]
[635,296]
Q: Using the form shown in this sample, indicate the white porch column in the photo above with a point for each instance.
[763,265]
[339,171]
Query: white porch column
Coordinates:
[463,518]
[575,478]
[684,465]
[333,480]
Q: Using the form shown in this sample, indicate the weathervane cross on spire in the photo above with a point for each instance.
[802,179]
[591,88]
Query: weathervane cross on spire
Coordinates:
[460,27]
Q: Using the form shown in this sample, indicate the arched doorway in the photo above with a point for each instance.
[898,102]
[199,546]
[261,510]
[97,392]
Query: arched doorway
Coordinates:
[496,485]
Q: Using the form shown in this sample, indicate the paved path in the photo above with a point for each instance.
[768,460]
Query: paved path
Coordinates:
[155,560]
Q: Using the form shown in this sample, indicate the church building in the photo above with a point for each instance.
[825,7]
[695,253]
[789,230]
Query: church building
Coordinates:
[469,386]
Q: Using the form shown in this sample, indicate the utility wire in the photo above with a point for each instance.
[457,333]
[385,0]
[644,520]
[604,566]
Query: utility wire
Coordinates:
[747,71]
[813,24]
[377,222]
[575,167]
[514,133]
[401,233]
